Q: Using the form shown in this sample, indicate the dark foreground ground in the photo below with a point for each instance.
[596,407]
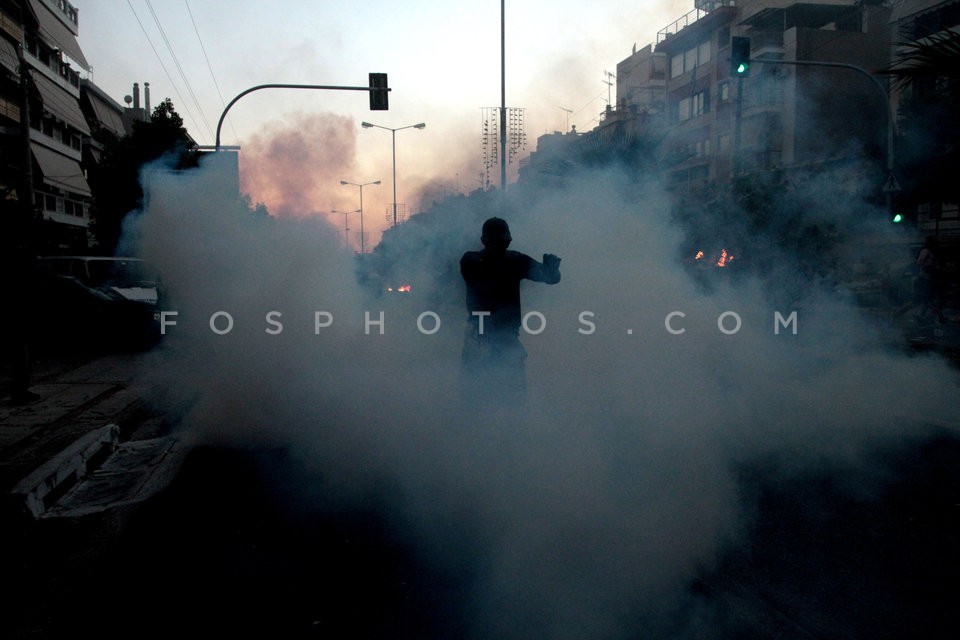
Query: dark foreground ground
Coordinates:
[237,546]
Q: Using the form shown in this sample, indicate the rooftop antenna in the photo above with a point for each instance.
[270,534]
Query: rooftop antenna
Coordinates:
[569,111]
[609,83]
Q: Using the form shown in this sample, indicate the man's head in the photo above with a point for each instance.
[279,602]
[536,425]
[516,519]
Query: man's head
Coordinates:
[496,234]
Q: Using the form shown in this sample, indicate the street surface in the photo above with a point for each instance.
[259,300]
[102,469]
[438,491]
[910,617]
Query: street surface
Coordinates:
[240,543]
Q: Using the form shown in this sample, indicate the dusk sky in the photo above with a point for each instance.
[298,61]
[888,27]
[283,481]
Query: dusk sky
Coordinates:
[443,62]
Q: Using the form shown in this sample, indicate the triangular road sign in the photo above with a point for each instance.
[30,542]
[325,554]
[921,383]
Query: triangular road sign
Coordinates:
[891,185]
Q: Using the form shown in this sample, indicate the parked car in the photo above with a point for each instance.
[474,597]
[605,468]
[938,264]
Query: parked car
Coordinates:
[106,300]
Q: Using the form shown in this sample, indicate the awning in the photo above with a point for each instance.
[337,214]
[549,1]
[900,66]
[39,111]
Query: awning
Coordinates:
[58,33]
[8,55]
[60,102]
[108,118]
[59,170]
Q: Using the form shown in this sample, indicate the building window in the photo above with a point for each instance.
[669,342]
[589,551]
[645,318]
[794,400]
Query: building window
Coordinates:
[723,37]
[723,91]
[690,59]
[74,208]
[703,52]
[723,143]
[676,66]
[693,107]
[701,103]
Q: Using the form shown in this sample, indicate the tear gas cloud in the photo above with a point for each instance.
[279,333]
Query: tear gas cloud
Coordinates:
[587,513]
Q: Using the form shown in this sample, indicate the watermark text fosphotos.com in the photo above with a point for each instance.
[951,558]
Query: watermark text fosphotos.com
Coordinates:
[429,322]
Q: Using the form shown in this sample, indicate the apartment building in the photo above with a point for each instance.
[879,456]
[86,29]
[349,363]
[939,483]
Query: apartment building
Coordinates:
[12,152]
[54,122]
[57,124]
[781,117]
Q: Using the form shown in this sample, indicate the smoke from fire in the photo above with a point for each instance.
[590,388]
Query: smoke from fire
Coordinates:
[294,166]
[587,513]
[287,168]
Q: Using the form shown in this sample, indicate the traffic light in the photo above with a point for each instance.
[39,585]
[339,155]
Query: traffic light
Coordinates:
[740,56]
[379,94]
[897,218]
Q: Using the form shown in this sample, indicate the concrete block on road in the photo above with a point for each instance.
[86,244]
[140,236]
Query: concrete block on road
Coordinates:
[56,476]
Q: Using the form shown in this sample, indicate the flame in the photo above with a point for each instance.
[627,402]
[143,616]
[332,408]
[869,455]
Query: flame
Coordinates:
[405,288]
[725,258]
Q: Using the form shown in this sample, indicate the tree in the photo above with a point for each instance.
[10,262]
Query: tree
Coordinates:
[115,183]
[927,72]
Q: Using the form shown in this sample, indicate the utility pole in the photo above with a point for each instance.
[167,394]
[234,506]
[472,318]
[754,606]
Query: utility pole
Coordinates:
[25,192]
[20,235]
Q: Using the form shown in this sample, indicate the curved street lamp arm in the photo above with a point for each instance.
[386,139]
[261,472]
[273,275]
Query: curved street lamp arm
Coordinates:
[283,86]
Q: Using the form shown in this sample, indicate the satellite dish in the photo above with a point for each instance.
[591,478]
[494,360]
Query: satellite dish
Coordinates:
[128,99]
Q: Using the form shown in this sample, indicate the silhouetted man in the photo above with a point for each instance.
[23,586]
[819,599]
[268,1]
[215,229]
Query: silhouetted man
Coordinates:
[493,356]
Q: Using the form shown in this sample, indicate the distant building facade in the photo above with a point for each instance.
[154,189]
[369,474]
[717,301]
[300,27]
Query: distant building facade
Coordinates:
[781,116]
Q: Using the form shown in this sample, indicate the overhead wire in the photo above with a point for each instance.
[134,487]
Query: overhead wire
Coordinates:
[223,102]
[162,66]
[176,61]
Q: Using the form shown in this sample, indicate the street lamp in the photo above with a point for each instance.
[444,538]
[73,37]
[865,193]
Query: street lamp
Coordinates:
[362,247]
[346,229]
[393,133]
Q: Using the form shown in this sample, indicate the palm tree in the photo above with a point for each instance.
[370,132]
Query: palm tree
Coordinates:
[926,73]
[935,58]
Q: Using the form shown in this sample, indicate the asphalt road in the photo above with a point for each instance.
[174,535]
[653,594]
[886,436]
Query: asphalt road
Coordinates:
[243,544]
[235,546]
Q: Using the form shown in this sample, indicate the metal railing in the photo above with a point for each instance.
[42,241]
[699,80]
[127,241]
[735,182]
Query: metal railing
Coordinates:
[703,8]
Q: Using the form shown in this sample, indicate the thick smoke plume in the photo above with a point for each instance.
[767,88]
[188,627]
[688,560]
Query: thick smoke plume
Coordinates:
[291,172]
[589,512]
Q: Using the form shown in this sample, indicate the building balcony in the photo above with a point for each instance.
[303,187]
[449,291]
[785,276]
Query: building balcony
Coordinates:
[766,44]
[703,9]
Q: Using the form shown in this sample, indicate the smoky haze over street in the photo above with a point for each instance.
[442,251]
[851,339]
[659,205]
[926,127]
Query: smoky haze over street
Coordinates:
[590,512]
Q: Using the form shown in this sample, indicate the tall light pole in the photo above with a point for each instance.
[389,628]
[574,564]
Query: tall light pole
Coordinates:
[346,229]
[362,246]
[503,96]
[393,134]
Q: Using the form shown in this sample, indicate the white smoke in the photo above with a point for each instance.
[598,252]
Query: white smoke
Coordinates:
[590,512]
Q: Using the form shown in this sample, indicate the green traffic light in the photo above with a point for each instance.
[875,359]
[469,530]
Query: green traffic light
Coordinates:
[897,217]
[742,68]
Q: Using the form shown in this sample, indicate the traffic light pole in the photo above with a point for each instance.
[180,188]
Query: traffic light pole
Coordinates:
[223,115]
[737,127]
[891,179]
[883,93]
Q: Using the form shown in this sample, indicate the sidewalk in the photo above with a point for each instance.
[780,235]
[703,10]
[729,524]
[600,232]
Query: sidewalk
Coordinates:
[90,426]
